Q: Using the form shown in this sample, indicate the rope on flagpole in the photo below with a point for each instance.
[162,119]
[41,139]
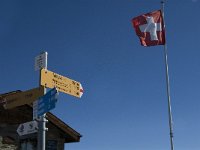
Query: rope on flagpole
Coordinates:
[167,82]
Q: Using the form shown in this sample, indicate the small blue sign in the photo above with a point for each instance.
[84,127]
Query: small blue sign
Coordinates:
[47,102]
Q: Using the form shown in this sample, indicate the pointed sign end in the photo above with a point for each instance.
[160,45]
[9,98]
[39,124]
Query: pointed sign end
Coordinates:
[81,90]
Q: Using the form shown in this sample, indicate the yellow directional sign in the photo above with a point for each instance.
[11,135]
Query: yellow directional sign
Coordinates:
[22,98]
[63,84]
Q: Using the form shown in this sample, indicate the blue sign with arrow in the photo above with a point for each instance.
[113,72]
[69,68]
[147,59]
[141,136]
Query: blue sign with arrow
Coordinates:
[47,102]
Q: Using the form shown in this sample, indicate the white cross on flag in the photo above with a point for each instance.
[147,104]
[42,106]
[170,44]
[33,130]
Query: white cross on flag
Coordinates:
[150,28]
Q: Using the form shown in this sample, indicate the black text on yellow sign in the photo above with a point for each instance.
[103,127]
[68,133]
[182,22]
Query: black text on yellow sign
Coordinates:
[63,84]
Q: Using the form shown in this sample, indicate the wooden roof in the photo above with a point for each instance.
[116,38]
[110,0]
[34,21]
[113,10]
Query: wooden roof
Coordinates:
[24,113]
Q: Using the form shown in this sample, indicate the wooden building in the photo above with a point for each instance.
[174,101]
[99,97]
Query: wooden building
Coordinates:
[57,135]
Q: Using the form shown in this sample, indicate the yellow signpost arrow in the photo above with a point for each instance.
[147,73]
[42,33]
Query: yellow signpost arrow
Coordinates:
[22,98]
[63,84]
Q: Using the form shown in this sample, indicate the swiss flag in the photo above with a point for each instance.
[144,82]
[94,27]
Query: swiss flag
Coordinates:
[150,28]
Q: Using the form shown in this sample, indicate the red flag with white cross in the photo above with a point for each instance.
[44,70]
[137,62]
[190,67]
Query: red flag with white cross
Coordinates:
[150,28]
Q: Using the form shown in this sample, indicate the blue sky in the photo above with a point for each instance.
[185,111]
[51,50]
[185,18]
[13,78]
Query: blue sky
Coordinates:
[124,106]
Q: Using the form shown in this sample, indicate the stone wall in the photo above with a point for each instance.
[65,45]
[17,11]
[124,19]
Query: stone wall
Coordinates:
[6,146]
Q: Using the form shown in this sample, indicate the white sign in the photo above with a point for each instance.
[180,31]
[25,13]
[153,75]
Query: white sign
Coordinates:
[27,128]
[41,61]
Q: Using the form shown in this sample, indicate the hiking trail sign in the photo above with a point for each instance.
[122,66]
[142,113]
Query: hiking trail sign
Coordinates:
[63,84]
[41,61]
[27,128]
[45,103]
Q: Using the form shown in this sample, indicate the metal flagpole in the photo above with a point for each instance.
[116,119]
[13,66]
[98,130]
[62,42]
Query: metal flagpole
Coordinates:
[168,85]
